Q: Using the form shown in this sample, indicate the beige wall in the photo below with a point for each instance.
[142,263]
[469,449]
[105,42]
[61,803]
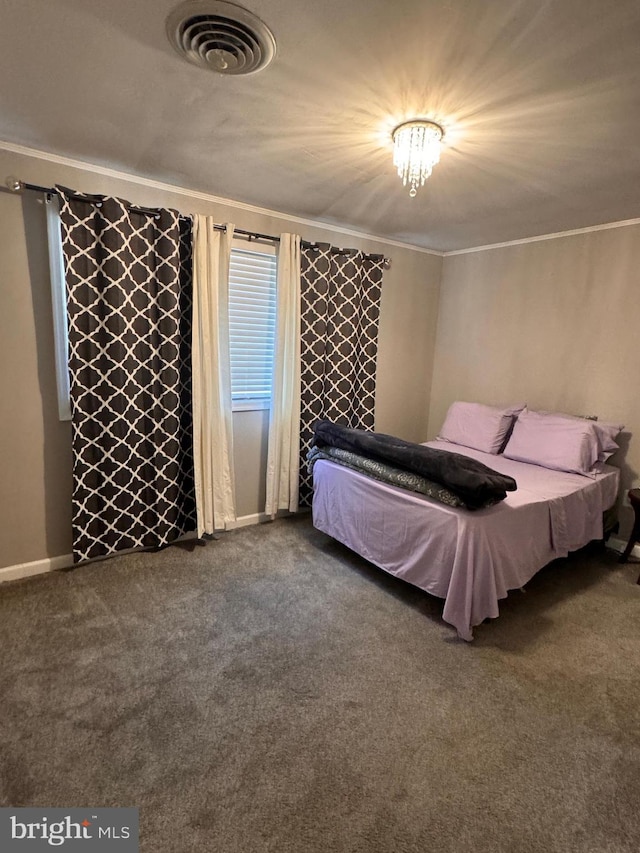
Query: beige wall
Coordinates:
[553,323]
[35,458]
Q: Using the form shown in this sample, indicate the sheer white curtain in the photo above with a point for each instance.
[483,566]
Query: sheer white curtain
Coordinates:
[283,460]
[212,423]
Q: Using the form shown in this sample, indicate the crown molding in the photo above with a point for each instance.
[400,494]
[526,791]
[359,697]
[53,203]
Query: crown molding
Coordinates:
[554,236]
[265,211]
[61,160]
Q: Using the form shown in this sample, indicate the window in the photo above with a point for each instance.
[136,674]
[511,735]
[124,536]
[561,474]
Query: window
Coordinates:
[59,305]
[252,319]
[252,325]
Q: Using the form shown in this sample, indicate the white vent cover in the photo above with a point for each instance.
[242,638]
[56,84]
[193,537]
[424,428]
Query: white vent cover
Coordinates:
[221,36]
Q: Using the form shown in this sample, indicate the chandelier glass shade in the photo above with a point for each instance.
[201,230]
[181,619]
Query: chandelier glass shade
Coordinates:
[416,150]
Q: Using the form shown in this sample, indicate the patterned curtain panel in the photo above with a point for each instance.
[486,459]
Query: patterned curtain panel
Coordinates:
[340,308]
[129,307]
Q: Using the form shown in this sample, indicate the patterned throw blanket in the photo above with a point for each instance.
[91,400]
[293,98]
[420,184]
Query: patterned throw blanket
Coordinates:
[385,473]
[466,480]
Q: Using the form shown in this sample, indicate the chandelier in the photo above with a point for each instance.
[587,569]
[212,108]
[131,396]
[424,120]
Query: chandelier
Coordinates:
[416,150]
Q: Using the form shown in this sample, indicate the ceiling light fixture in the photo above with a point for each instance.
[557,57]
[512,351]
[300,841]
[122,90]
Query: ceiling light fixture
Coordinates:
[416,150]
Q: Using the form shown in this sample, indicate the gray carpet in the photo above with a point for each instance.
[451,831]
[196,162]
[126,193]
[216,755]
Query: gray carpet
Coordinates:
[273,692]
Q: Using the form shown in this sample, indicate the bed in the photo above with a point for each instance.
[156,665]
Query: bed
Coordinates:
[470,558]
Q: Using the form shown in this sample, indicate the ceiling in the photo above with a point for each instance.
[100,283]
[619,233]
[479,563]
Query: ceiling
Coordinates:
[540,101]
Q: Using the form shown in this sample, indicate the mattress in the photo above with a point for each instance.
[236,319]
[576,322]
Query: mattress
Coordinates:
[471,558]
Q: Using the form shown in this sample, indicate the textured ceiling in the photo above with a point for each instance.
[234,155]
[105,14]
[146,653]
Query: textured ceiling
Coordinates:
[540,100]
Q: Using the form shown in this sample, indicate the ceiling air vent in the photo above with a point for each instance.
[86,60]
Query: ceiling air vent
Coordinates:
[221,36]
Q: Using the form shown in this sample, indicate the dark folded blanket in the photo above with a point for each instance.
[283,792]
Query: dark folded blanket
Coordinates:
[475,483]
[385,473]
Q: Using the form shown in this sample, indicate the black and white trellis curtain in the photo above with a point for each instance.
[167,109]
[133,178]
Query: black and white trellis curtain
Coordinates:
[128,279]
[340,308]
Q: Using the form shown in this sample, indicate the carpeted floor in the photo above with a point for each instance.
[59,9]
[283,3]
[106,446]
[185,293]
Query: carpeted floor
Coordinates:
[271,691]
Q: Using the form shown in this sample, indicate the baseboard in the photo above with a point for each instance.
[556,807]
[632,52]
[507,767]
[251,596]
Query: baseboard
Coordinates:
[619,545]
[37,567]
[51,564]
[248,520]
[65,561]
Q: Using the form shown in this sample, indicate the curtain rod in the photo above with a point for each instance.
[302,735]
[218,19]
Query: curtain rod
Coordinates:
[16,186]
[256,235]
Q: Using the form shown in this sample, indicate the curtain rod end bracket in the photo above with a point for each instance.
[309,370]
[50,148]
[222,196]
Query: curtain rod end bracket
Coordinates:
[14,185]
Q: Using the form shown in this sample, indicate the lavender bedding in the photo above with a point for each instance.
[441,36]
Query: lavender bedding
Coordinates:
[469,558]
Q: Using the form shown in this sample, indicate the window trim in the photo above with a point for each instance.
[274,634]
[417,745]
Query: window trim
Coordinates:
[248,405]
[59,306]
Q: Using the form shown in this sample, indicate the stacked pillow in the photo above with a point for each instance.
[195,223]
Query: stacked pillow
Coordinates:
[480,427]
[562,442]
[549,439]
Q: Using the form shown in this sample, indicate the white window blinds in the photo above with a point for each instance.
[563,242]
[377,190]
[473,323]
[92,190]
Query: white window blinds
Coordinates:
[252,323]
